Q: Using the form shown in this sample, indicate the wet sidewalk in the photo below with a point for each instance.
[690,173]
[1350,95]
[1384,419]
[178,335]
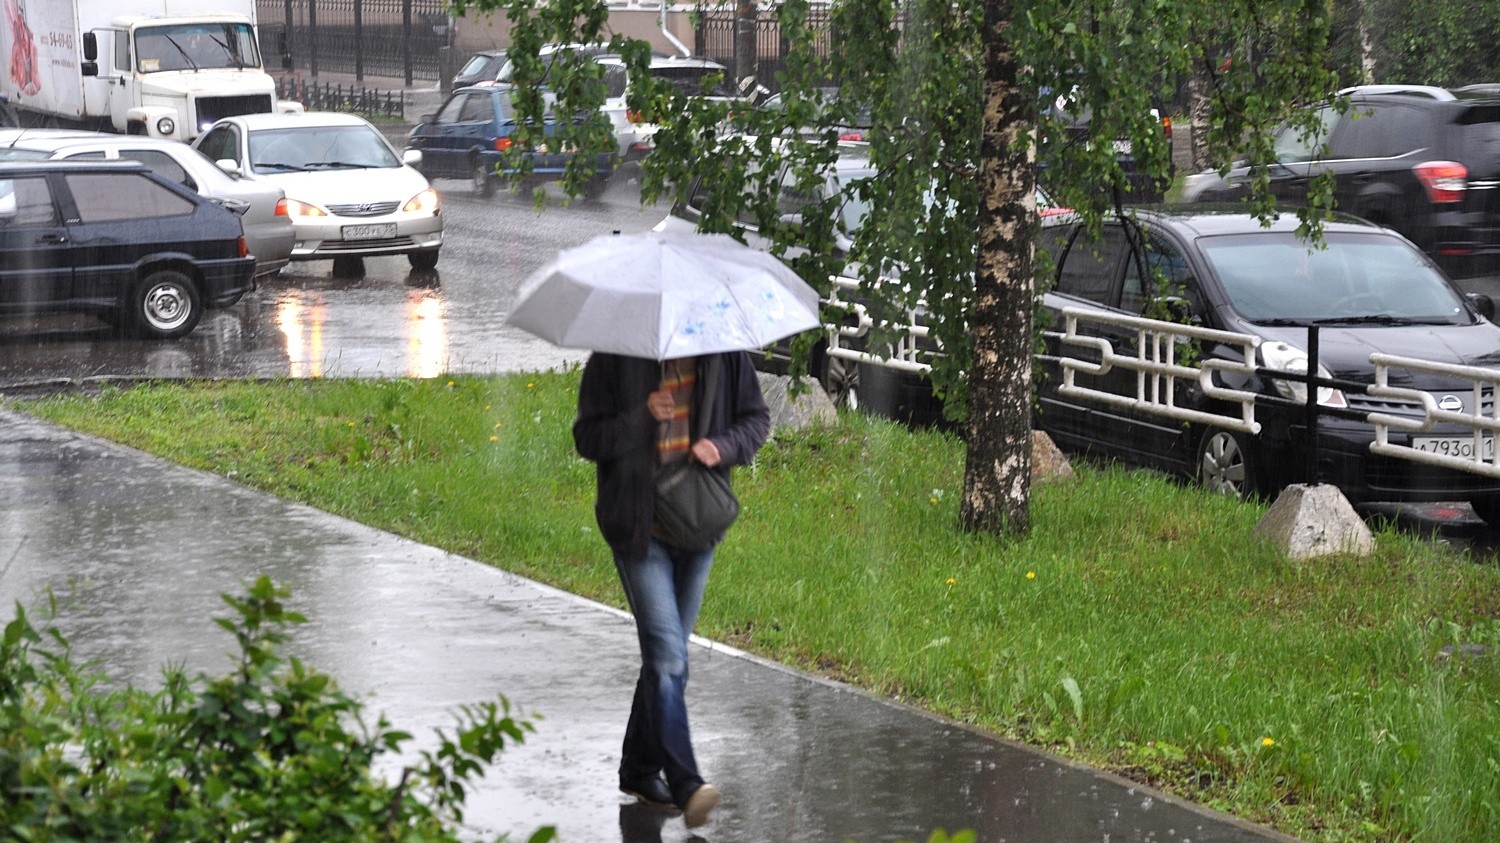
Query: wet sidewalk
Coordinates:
[140,550]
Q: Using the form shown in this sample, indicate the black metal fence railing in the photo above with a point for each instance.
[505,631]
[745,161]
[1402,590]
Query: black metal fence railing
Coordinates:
[715,39]
[328,96]
[398,39]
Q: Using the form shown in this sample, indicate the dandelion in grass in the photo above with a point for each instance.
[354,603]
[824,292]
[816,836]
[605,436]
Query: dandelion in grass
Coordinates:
[494,439]
[531,384]
[1031,575]
[452,384]
[952,582]
[935,497]
[1268,742]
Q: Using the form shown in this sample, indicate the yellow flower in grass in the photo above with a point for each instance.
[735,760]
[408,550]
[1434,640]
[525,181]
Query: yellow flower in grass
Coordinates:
[952,581]
[452,384]
[494,439]
[1031,575]
[1268,741]
[531,384]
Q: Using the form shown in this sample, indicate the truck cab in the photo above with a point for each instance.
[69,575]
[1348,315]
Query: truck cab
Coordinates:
[173,77]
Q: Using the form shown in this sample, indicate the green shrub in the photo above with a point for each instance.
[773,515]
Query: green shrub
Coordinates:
[272,750]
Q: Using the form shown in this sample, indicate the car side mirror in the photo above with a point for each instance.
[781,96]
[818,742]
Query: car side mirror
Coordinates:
[91,47]
[1482,304]
[429,118]
[411,157]
[229,167]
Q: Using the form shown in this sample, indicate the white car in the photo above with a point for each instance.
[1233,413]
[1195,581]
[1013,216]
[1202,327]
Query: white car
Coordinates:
[349,194]
[262,207]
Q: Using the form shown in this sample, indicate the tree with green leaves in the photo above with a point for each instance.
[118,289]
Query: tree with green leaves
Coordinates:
[958,94]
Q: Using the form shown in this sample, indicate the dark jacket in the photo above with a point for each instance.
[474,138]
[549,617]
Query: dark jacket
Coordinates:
[615,431]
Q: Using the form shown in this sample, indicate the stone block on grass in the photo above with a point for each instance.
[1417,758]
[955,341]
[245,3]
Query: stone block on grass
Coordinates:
[1047,460]
[813,406]
[1311,521]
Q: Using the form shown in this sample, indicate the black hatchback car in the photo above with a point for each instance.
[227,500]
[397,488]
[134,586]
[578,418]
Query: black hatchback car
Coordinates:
[116,240]
[1367,289]
[1424,161]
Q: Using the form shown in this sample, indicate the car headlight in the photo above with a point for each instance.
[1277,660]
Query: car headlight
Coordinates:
[1290,358]
[427,201]
[298,208]
[166,125]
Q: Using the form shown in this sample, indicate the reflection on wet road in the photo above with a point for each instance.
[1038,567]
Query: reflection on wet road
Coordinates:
[390,322]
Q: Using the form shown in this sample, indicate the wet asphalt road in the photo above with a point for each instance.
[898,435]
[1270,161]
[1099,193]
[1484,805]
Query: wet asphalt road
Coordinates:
[393,322]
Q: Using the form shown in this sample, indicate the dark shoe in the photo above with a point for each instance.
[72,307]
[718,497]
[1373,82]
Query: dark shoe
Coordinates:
[651,790]
[698,806]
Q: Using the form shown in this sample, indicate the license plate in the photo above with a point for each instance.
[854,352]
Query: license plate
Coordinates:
[1454,446]
[373,231]
[1122,147]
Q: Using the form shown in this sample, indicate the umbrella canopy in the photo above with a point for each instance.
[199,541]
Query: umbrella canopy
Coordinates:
[662,295]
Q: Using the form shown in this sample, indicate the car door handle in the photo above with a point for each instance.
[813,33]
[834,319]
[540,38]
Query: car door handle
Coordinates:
[52,239]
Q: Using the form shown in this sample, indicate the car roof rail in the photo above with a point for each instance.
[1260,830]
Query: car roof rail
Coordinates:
[1429,91]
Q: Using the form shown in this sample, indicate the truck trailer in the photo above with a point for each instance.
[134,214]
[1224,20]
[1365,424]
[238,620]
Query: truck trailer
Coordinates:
[163,68]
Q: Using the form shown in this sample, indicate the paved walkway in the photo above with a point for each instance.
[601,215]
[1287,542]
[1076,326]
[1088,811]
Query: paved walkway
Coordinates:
[142,549]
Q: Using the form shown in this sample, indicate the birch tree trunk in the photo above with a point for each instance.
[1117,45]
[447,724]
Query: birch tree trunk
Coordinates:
[997,476]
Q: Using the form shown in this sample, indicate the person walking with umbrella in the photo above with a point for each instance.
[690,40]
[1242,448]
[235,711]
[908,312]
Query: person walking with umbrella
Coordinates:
[669,319]
[634,417]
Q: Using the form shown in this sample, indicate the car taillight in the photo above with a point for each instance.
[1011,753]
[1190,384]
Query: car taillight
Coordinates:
[502,144]
[244,247]
[1444,181]
[1166,127]
[852,137]
[281,207]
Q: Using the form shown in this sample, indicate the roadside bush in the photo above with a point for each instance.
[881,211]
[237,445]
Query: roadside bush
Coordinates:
[272,750]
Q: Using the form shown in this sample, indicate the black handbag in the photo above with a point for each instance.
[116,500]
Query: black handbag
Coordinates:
[694,503]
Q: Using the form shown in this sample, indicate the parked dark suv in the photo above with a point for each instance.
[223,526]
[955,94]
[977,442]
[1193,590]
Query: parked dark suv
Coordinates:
[1365,288]
[1424,161]
[116,240]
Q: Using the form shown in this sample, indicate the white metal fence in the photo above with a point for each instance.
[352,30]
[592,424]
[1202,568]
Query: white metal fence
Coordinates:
[1160,371]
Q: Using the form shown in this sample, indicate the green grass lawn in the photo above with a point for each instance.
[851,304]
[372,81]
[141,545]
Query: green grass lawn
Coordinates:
[1138,626]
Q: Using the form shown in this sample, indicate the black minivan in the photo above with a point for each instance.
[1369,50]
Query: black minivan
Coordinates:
[118,241]
[1366,288]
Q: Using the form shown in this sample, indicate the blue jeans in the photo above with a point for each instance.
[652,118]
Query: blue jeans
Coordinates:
[664,590]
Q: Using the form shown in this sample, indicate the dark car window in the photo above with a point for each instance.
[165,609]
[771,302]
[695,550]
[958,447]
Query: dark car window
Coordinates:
[104,197]
[1090,268]
[219,144]
[86,156]
[1292,147]
[1166,275]
[160,163]
[477,108]
[26,201]
[1385,132]
[614,81]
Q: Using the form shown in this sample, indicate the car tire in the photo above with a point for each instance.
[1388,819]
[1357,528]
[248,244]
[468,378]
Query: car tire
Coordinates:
[1227,464]
[482,179]
[424,260]
[840,379]
[165,305]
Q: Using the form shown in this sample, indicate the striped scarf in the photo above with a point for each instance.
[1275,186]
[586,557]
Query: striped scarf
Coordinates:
[679,376]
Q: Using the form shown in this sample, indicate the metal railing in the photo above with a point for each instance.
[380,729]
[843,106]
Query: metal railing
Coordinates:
[1483,428]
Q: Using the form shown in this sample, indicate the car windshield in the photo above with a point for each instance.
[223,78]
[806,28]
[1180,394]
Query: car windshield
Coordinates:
[1273,277]
[319,148]
[196,46]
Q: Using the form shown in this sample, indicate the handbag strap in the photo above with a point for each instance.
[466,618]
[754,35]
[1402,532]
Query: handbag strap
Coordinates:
[710,390]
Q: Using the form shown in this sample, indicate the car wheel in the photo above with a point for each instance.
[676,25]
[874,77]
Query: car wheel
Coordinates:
[423,260]
[1226,465]
[1489,510]
[840,380]
[349,266]
[482,179]
[165,305]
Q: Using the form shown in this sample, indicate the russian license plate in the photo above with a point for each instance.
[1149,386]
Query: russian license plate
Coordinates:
[1454,446]
[372,231]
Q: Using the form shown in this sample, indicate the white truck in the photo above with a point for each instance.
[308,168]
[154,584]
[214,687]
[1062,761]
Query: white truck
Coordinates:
[163,68]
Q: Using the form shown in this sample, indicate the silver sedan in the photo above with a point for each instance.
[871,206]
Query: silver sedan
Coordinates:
[262,207]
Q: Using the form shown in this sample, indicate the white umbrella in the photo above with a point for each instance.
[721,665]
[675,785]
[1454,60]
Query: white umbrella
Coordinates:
[662,295]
